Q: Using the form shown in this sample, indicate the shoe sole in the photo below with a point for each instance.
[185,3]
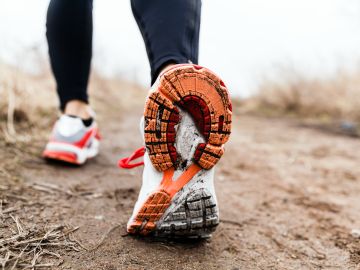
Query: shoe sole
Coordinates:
[69,153]
[194,216]
[201,93]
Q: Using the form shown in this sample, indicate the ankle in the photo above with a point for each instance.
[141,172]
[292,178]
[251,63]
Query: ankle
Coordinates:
[160,71]
[78,108]
[166,67]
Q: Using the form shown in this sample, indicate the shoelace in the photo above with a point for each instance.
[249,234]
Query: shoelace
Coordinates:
[168,183]
[125,162]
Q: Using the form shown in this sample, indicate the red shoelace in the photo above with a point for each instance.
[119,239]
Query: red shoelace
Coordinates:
[125,162]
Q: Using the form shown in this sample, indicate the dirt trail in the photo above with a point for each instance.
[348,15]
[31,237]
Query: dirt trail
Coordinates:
[288,197]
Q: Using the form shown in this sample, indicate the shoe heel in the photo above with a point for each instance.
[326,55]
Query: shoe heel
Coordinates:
[202,94]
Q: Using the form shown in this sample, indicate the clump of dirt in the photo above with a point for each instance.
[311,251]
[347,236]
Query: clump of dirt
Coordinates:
[344,240]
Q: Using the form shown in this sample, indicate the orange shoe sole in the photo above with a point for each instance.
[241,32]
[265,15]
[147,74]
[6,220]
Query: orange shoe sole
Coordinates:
[61,156]
[204,96]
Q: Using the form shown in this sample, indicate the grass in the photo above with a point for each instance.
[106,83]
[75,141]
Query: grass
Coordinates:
[28,109]
[22,98]
[335,98]
[329,104]
[24,242]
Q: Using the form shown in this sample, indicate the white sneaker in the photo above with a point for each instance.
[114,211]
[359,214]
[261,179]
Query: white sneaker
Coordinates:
[187,120]
[72,142]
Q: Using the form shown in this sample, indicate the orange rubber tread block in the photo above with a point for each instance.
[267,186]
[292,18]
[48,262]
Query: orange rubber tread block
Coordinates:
[201,93]
[156,204]
[150,212]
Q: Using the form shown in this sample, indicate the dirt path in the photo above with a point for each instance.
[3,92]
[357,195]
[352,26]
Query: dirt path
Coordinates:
[288,197]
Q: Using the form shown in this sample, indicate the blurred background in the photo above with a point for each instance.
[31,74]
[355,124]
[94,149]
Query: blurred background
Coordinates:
[293,58]
[293,70]
[243,40]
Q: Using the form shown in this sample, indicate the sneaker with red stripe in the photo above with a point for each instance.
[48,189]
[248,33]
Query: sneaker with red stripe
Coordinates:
[72,142]
[187,121]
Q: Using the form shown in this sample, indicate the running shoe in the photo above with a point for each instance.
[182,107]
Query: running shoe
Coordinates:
[72,142]
[187,121]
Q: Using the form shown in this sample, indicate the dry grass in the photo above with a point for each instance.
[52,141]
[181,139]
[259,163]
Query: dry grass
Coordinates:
[28,101]
[22,98]
[28,109]
[26,241]
[25,244]
[32,248]
[336,98]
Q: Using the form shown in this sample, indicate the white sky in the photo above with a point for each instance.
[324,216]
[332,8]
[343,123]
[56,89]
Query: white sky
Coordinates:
[241,40]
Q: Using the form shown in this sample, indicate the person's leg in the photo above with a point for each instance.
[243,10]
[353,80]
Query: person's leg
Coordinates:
[187,121]
[75,137]
[69,35]
[170,29]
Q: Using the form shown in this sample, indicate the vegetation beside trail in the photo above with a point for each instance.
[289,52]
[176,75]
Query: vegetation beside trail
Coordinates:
[329,103]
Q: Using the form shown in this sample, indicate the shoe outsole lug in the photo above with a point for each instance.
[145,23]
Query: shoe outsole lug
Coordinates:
[151,211]
[196,216]
[205,97]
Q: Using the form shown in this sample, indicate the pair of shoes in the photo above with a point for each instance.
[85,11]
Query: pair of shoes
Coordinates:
[187,121]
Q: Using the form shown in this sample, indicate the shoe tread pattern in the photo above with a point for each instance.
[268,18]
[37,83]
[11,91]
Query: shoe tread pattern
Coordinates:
[205,97]
[196,216]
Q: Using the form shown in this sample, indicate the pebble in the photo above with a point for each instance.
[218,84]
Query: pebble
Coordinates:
[355,233]
[348,126]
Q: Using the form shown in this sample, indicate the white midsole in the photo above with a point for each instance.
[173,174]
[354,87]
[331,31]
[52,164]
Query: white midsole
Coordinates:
[82,154]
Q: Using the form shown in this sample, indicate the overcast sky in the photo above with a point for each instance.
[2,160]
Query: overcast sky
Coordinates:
[242,40]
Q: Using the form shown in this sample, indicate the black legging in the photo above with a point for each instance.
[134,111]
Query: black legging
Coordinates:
[170,29]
